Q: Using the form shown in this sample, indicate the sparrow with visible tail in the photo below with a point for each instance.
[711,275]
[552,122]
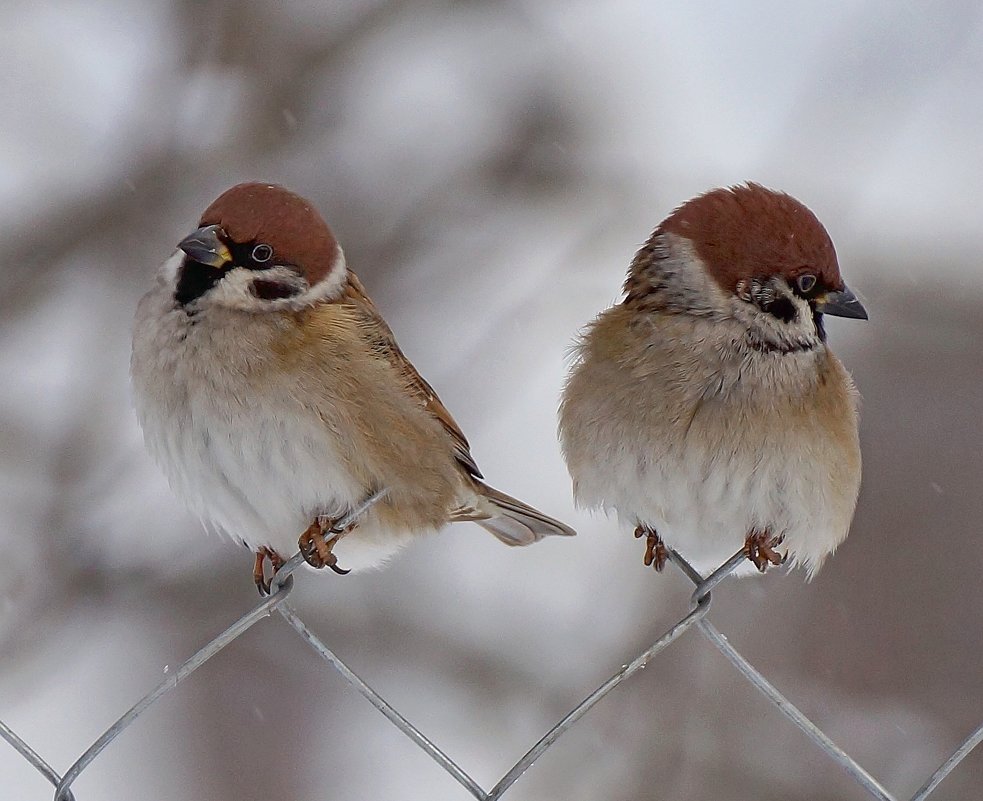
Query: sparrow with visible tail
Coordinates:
[706,408]
[275,398]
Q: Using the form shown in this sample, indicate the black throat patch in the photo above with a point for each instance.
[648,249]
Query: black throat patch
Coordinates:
[195,279]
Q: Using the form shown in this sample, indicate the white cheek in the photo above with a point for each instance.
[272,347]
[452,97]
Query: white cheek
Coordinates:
[801,331]
[235,291]
[803,323]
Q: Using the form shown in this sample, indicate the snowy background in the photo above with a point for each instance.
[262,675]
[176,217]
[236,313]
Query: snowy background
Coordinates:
[490,168]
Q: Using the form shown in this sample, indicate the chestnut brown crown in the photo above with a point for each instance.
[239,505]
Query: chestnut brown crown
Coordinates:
[270,214]
[748,231]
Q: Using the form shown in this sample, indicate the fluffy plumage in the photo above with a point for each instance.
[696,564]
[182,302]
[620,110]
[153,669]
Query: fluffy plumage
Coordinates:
[707,405]
[272,391]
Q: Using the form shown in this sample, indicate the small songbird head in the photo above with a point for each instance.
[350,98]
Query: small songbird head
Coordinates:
[258,247]
[749,253]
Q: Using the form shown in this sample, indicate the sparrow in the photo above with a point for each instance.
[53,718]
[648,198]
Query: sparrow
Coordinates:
[706,409]
[273,395]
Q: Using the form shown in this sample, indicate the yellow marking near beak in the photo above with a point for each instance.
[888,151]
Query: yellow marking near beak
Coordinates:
[207,246]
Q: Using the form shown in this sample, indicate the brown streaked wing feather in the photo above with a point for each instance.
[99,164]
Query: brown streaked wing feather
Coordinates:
[381,340]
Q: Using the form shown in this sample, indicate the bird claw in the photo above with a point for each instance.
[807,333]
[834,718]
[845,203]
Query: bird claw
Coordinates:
[760,549]
[259,568]
[656,553]
[317,551]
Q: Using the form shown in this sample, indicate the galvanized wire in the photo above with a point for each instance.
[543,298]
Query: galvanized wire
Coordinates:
[32,756]
[696,617]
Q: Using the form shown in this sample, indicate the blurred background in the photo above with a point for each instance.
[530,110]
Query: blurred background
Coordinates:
[490,168]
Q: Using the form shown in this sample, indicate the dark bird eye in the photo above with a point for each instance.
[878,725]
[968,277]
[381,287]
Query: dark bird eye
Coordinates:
[262,253]
[806,283]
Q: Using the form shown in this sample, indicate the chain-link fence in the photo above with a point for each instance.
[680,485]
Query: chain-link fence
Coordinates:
[696,618]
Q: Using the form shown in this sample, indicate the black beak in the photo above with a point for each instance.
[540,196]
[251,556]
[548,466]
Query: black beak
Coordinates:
[842,304]
[206,246]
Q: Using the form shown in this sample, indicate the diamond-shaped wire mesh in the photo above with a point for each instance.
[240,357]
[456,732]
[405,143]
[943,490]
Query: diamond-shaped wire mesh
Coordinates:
[696,618]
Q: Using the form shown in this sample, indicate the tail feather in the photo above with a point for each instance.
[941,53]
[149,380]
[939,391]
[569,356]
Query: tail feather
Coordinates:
[511,520]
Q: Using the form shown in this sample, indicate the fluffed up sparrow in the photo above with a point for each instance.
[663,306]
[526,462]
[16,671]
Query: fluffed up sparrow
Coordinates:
[275,398]
[706,408]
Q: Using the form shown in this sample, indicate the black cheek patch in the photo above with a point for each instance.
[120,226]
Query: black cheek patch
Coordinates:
[266,289]
[782,308]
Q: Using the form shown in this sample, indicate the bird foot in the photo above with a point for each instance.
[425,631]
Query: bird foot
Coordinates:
[259,568]
[760,549]
[656,552]
[316,550]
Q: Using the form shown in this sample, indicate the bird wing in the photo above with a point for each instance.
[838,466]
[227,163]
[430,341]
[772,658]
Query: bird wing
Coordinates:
[380,339]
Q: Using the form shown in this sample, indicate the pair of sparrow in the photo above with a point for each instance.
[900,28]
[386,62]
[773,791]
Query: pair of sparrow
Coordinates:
[706,408]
